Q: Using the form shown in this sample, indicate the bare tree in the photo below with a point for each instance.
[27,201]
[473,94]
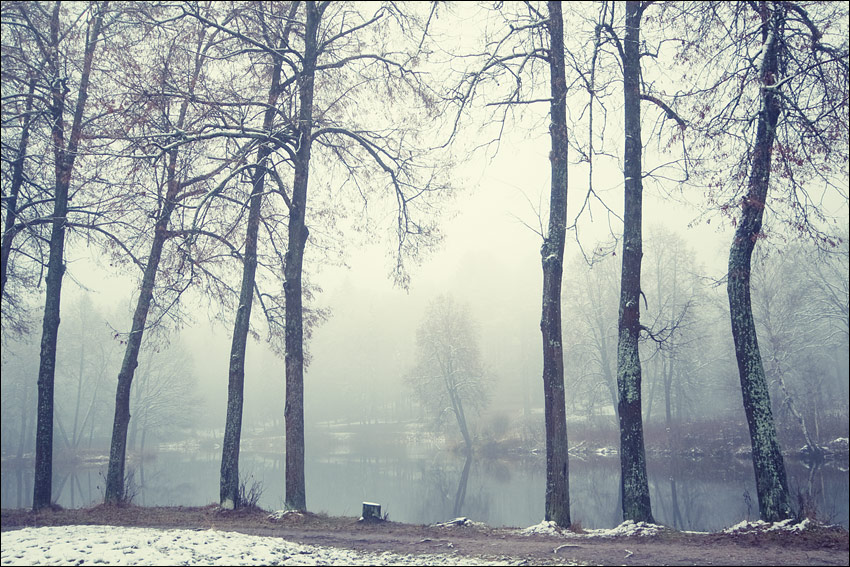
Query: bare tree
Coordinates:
[327,74]
[449,377]
[788,293]
[229,492]
[773,110]
[48,29]
[529,42]
[165,394]
[673,327]
[180,182]
[552,253]
[591,298]
[634,483]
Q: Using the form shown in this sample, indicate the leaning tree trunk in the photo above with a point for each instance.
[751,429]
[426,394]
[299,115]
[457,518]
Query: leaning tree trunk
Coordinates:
[296,494]
[768,464]
[64,158]
[118,447]
[633,480]
[229,497]
[552,252]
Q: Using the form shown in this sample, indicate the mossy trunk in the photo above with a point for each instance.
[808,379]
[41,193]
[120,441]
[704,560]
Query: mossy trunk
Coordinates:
[768,464]
[634,482]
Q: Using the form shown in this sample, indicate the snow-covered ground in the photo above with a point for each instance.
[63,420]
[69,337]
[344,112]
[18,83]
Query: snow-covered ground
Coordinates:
[110,545]
[627,528]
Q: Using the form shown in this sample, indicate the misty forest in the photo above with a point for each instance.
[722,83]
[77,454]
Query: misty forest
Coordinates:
[582,262]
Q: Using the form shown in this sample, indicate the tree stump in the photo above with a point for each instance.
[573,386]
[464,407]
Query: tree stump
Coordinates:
[371,511]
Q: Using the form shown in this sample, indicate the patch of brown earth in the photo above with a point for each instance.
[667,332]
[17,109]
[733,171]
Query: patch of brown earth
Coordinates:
[816,546]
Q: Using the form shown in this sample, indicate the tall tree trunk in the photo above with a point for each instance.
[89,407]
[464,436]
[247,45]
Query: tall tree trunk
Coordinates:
[64,158]
[552,252]
[229,482]
[771,483]
[14,191]
[118,446]
[296,494]
[634,482]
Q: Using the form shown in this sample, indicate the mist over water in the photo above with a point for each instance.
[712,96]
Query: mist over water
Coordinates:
[426,486]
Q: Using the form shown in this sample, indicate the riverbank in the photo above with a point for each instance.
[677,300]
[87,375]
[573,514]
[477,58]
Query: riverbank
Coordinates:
[446,544]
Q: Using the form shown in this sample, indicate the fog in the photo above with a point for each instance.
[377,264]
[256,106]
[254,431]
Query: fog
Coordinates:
[361,412]
[359,358]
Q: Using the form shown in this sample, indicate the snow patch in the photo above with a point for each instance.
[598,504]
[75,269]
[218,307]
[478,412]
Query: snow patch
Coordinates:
[113,545]
[543,528]
[629,528]
[788,525]
[462,521]
[280,514]
[626,529]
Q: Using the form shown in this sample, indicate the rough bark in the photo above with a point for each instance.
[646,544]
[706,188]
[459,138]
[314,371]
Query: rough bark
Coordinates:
[634,482]
[296,498]
[552,252]
[64,158]
[229,483]
[768,464]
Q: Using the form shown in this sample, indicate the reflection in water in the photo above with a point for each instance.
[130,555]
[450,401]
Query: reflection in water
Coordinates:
[705,495]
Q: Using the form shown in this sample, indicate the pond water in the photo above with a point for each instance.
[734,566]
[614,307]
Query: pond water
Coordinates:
[435,486]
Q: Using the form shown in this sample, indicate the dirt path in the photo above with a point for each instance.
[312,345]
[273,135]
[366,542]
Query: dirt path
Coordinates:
[817,546]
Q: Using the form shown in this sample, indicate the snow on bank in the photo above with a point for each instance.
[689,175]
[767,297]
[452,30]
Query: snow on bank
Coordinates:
[758,526]
[112,545]
[627,528]
[462,521]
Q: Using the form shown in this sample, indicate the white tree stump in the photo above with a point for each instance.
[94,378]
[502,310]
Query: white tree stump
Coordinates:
[371,511]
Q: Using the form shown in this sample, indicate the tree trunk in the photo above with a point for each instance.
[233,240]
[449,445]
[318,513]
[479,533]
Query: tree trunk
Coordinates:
[460,495]
[552,252]
[457,407]
[14,191]
[64,158]
[118,446]
[296,498]
[229,483]
[634,483]
[771,483]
